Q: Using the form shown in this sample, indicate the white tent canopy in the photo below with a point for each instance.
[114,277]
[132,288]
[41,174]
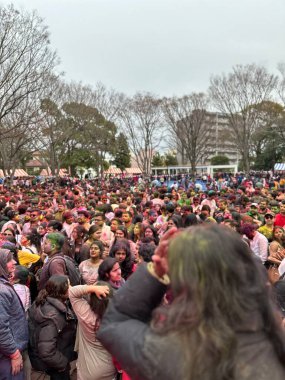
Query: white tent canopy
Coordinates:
[18,173]
[47,172]
[115,170]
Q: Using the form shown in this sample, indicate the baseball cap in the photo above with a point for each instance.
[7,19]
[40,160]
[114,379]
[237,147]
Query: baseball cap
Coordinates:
[254,205]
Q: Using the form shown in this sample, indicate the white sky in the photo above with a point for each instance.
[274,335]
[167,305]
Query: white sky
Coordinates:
[166,47]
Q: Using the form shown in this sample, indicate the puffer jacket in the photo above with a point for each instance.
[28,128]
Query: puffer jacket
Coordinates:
[52,330]
[13,324]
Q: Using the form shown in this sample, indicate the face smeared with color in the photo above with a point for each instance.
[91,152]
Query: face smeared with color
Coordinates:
[114,225]
[121,255]
[11,265]
[148,233]
[95,251]
[81,219]
[115,273]
[137,229]
[278,233]
[119,234]
[97,234]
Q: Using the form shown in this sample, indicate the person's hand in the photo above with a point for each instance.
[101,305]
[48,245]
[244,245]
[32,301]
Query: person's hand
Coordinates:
[101,291]
[17,364]
[159,258]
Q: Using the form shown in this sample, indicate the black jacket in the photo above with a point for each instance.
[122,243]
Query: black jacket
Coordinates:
[52,330]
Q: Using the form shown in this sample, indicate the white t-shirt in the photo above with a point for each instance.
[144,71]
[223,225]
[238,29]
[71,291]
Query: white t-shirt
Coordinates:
[24,294]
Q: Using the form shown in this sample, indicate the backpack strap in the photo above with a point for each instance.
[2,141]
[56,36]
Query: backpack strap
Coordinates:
[29,249]
[56,257]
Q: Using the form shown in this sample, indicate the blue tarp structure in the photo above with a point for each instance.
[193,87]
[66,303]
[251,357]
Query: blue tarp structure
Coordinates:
[200,184]
[279,166]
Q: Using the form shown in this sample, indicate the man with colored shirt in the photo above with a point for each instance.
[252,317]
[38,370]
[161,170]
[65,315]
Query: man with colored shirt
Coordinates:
[267,228]
[257,241]
[33,223]
[127,220]
[280,218]
[210,201]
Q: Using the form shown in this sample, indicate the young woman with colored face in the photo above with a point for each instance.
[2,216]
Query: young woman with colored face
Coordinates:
[110,271]
[121,251]
[89,268]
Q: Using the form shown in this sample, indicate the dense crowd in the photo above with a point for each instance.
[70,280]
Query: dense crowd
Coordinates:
[194,272]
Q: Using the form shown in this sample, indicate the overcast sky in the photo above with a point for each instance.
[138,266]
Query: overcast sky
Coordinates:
[166,47]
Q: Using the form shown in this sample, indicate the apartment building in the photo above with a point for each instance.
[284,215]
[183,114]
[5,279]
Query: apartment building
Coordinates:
[219,141]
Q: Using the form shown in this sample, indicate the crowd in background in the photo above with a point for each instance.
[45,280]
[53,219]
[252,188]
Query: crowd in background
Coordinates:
[67,246]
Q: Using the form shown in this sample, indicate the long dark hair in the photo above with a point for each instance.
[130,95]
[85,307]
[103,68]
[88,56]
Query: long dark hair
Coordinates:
[125,231]
[282,240]
[56,287]
[99,245]
[132,235]
[155,235]
[105,268]
[92,229]
[127,264]
[190,220]
[99,306]
[35,239]
[219,289]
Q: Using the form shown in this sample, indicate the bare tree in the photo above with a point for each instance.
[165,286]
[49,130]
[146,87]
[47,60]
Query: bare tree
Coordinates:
[17,146]
[281,87]
[186,120]
[26,62]
[142,123]
[235,94]
[106,101]
[25,58]
[53,135]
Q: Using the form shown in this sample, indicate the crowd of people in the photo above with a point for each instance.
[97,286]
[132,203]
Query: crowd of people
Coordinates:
[143,279]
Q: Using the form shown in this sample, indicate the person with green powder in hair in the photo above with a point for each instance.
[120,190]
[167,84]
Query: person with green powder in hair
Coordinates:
[54,263]
[221,324]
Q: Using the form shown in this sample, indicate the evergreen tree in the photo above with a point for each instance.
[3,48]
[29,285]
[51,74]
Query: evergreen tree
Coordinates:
[220,160]
[122,157]
[157,160]
[170,159]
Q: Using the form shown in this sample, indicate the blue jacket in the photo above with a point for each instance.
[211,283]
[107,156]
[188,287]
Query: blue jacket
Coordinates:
[13,323]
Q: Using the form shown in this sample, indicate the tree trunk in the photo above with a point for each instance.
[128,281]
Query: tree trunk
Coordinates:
[246,162]
[193,168]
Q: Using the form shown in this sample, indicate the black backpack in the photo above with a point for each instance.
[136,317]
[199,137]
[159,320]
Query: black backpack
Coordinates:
[72,270]
[34,331]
